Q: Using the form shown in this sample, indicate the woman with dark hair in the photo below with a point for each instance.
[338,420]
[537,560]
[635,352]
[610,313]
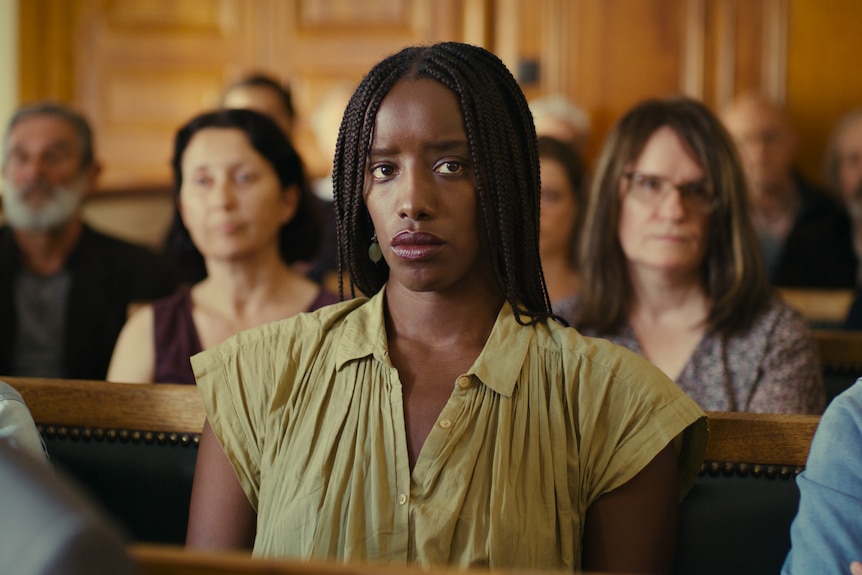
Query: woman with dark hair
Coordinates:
[447,418]
[672,270]
[243,210]
[564,197]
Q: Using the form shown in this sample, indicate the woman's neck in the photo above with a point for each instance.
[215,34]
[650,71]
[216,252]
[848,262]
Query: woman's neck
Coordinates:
[659,297]
[438,320]
[245,286]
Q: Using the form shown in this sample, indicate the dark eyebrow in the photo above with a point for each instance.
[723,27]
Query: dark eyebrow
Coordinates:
[460,146]
[449,146]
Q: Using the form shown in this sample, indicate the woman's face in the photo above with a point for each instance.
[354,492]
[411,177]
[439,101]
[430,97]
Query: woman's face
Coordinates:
[231,199]
[420,190]
[663,227]
[558,212]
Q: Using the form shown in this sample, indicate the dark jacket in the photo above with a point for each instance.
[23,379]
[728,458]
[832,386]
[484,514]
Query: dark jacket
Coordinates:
[107,275]
[818,252]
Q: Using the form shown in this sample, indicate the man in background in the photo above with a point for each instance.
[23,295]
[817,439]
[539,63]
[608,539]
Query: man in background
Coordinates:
[65,288]
[805,235]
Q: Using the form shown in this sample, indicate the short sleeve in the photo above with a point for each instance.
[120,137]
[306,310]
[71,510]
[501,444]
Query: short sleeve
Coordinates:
[633,411]
[235,381]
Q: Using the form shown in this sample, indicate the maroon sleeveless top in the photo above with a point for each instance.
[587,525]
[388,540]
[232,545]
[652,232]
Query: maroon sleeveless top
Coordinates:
[177,337]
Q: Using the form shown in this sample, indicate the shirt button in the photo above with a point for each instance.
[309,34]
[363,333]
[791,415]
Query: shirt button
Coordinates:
[402,499]
[445,423]
[464,382]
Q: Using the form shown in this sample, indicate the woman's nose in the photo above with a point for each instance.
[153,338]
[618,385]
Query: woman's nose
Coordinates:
[416,195]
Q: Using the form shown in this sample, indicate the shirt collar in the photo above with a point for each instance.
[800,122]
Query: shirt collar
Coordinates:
[498,365]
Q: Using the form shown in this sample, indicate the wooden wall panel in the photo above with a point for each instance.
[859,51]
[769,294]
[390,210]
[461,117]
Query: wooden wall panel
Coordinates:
[146,66]
[47,64]
[141,67]
[625,51]
[824,72]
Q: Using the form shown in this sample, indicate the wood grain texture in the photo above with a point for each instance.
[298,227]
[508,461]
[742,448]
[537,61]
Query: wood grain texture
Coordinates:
[839,348]
[102,404]
[168,560]
[819,305]
[768,439]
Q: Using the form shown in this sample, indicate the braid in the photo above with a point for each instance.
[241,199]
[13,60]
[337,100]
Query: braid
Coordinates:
[504,152]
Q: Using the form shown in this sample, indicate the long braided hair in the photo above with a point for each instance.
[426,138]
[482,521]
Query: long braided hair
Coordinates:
[503,147]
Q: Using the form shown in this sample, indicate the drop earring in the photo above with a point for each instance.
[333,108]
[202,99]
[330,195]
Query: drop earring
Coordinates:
[375,254]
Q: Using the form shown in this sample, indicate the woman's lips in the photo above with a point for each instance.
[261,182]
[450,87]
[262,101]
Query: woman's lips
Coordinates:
[415,246]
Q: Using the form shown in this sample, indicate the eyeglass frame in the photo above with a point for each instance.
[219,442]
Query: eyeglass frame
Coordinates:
[692,194]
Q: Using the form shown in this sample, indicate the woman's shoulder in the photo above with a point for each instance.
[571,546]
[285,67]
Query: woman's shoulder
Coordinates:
[777,319]
[179,300]
[324,298]
[598,352]
[847,405]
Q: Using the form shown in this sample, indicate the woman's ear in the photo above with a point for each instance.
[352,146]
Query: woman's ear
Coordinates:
[289,202]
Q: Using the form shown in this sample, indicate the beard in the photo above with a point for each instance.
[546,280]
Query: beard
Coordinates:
[57,210]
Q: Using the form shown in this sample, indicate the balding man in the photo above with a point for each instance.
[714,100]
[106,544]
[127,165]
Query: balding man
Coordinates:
[805,235]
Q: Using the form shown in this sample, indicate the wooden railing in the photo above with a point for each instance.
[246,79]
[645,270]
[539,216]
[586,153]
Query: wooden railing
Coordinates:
[820,307]
[746,491]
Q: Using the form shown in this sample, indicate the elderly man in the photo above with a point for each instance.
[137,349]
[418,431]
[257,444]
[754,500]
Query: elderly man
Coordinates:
[805,235]
[64,288]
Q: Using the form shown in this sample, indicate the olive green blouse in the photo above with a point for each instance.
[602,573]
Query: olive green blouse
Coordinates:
[310,413]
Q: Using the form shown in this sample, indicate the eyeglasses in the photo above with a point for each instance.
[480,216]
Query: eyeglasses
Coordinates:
[652,190]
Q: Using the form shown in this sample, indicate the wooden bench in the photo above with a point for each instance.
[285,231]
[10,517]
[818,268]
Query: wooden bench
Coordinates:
[826,308]
[737,517]
[166,560]
[131,447]
[840,357]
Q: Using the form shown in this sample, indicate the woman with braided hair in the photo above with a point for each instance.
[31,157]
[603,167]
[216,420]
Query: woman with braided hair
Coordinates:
[447,418]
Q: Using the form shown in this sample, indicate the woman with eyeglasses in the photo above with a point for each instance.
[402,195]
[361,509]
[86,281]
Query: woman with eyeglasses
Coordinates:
[670,267]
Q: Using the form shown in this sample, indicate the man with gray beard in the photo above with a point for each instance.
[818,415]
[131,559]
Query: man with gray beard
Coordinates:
[64,288]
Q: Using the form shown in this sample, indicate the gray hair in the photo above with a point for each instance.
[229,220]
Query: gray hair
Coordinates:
[559,107]
[78,122]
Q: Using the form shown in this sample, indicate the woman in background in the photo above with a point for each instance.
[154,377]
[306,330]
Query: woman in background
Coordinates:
[266,95]
[563,200]
[671,267]
[243,208]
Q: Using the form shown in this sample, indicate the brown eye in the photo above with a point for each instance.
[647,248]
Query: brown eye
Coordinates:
[449,167]
[382,171]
